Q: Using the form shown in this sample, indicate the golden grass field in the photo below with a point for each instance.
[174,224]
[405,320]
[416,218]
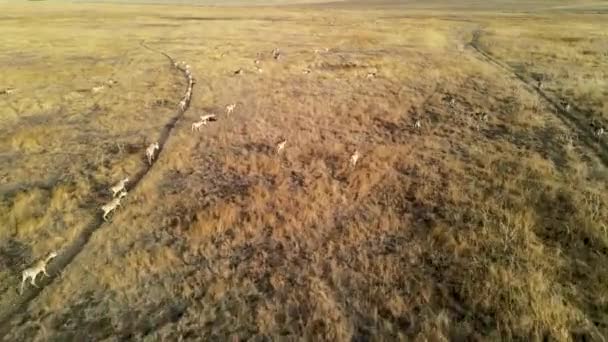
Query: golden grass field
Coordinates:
[488,222]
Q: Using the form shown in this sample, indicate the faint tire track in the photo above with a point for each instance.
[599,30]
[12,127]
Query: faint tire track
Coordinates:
[68,254]
[571,118]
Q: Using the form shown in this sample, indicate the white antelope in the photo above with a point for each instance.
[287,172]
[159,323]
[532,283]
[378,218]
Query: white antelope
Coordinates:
[281,146]
[417,124]
[599,132]
[112,205]
[354,158]
[230,108]
[97,89]
[276,53]
[204,120]
[7,91]
[182,105]
[196,126]
[120,186]
[150,151]
[208,117]
[32,272]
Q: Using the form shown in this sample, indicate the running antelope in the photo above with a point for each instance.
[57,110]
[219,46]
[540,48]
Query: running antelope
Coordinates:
[230,108]
[281,146]
[119,187]
[354,158]
[32,272]
[150,151]
[112,205]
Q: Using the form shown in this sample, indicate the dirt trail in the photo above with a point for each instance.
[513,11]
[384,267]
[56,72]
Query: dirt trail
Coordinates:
[572,118]
[68,254]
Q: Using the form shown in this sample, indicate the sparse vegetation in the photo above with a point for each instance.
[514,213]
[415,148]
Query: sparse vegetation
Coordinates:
[475,208]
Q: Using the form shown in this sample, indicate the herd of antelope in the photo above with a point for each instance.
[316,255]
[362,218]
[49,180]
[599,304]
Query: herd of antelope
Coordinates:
[119,190]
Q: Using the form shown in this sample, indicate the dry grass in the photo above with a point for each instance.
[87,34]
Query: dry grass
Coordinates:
[465,228]
[571,64]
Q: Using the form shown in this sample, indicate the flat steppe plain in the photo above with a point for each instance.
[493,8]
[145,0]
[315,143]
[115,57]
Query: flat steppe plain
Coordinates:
[478,208]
